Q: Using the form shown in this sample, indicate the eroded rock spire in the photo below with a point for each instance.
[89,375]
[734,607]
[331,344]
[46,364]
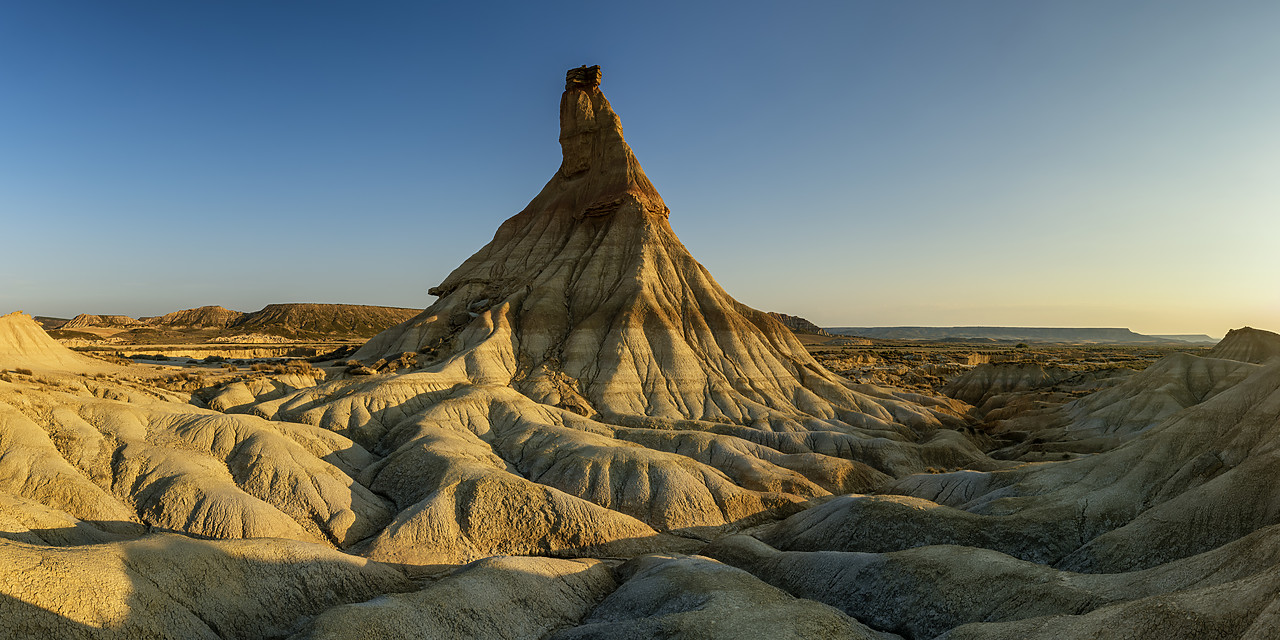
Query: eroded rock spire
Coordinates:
[600,173]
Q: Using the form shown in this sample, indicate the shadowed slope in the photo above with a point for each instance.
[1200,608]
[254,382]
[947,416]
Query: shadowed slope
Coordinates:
[168,586]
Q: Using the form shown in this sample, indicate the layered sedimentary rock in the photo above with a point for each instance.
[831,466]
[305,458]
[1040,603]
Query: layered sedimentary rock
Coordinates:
[210,316]
[798,324]
[87,320]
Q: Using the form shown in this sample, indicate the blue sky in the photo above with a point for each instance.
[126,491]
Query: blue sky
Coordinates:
[1080,163]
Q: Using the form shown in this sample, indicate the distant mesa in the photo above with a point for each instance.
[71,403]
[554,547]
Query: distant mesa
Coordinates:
[208,316]
[86,320]
[583,77]
[1193,338]
[323,319]
[1018,334]
[301,320]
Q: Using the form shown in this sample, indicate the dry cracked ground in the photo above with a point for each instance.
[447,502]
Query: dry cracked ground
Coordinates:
[589,438]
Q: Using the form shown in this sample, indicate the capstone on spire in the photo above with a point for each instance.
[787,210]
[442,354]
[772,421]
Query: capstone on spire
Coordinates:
[583,77]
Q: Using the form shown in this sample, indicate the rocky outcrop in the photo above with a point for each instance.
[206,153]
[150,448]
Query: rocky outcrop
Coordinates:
[87,320]
[211,317]
[1248,345]
[310,319]
[799,325]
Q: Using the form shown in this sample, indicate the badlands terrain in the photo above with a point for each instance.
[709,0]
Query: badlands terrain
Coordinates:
[277,330]
[584,436]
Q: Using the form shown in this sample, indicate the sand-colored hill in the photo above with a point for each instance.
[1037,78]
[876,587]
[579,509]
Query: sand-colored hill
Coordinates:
[24,345]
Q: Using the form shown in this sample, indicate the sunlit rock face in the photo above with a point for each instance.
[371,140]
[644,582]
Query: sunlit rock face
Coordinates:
[615,447]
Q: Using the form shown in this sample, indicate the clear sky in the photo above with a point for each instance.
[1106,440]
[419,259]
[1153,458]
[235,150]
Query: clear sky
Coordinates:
[1083,163]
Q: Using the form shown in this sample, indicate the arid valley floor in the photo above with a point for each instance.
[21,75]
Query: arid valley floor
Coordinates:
[585,436]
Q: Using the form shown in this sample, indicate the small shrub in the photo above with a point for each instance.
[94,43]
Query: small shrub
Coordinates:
[23,371]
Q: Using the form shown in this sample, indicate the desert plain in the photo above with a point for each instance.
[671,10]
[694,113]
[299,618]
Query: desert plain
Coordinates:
[585,436]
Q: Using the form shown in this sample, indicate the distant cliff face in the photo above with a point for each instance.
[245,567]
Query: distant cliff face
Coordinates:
[294,320]
[799,325]
[211,316]
[86,320]
[1104,335]
[326,319]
